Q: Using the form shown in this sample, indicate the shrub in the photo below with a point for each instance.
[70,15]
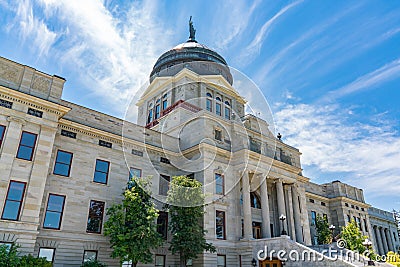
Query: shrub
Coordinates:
[93,263]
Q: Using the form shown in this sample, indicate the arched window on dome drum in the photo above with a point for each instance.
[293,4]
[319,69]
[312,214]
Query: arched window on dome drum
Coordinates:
[255,201]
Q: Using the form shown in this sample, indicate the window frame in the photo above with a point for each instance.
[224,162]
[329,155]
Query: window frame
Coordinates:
[222,178]
[224,257]
[3,134]
[33,147]
[157,112]
[107,173]
[160,227]
[61,213]
[20,201]
[218,109]
[313,218]
[155,260]
[89,250]
[131,174]
[69,165]
[227,113]
[223,224]
[161,183]
[54,253]
[102,217]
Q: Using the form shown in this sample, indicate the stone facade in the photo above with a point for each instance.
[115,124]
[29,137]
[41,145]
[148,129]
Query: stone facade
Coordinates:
[261,175]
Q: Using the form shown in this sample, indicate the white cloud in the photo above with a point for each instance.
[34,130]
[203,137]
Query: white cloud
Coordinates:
[31,29]
[368,152]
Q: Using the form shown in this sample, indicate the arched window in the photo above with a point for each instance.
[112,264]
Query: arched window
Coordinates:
[255,201]
[227,103]
[218,106]
[209,95]
[218,99]
[209,102]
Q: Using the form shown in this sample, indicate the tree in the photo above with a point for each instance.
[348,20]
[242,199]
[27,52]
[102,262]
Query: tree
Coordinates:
[9,257]
[353,237]
[186,208]
[324,235]
[131,225]
[396,215]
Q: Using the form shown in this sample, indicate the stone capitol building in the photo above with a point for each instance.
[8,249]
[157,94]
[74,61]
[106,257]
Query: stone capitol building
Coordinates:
[62,165]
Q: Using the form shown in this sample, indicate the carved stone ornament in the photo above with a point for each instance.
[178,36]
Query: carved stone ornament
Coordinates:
[40,83]
[9,73]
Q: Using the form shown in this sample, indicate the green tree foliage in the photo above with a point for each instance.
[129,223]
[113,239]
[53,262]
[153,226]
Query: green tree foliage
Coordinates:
[131,225]
[186,208]
[93,263]
[324,235]
[353,237]
[9,257]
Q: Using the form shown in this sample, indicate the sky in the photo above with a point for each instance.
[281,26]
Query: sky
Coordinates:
[330,70]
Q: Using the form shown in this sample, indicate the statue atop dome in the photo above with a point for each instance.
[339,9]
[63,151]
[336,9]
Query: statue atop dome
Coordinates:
[192,31]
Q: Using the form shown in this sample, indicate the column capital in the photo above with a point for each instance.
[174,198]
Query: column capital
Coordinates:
[16,119]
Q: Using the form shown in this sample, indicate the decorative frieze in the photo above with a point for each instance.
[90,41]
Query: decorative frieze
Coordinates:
[41,84]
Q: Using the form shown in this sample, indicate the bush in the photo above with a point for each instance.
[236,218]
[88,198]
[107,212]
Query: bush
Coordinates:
[29,260]
[9,258]
[93,263]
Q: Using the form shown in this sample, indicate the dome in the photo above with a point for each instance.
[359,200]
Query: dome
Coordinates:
[191,55]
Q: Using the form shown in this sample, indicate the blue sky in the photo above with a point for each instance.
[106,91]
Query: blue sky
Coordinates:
[330,70]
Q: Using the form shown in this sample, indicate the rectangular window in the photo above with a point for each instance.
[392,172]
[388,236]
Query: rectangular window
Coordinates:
[227,113]
[54,211]
[5,103]
[134,172]
[162,224]
[47,253]
[101,171]
[209,105]
[157,114]
[68,134]
[218,109]
[348,218]
[312,200]
[35,112]
[95,219]
[7,245]
[12,206]
[164,104]
[219,184]
[256,230]
[365,225]
[220,224]
[221,260]
[150,116]
[160,260]
[63,163]
[313,217]
[89,255]
[163,185]
[323,204]
[218,135]
[2,131]
[105,144]
[26,146]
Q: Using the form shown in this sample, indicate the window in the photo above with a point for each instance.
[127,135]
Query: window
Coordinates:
[95,219]
[68,134]
[26,146]
[63,163]
[220,224]
[89,255]
[54,211]
[150,116]
[323,204]
[134,172]
[227,113]
[348,218]
[101,171]
[209,104]
[362,209]
[219,184]
[2,131]
[218,135]
[218,109]
[157,113]
[47,253]
[127,264]
[160,260]
[255,201]
[365,225]
[221,260]
[164,104]
[7,245]
[394,235]
[162,224]
[189,262]
[312,200]
[352,206]
[12,206]
[163,185]
[256,230]
[313,217]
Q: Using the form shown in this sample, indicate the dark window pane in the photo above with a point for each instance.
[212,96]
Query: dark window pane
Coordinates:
[220,224]
[25,152]
[61,169]
[100,177]
[2,130]
[56,203]
[11,209]
[16,191]
[218,109]
[28,139]
[95,218]
[102,165]
[52,219]
[89,255]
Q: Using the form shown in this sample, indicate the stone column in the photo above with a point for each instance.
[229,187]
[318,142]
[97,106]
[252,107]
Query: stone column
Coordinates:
[297,215]
[281,202]
[378,240]
[384,240]
[389,239]
[247,222]
[304,216]
[290,215]
[266,230]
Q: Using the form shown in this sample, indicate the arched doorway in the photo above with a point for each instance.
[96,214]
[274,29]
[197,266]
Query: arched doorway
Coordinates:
[270,263]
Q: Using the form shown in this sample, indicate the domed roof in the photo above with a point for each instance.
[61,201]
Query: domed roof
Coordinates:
[191,55]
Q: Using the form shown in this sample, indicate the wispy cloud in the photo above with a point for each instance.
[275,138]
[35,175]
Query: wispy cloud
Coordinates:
[31,29]
[367,152]
[385,73]
[254,47]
